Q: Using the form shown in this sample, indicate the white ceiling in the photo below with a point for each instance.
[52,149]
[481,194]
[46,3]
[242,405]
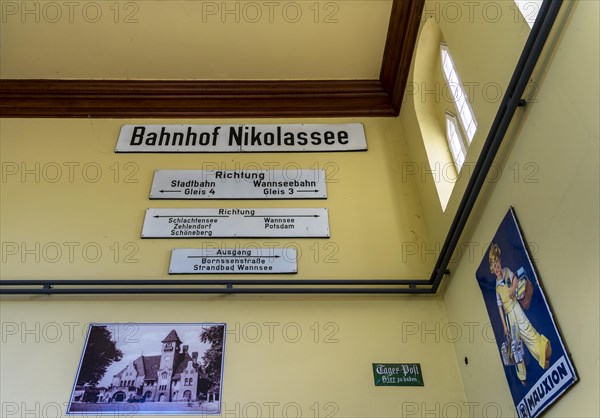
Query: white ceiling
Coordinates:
[194,40]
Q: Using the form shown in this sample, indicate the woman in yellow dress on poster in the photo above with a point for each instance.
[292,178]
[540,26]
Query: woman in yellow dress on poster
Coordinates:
[516,324]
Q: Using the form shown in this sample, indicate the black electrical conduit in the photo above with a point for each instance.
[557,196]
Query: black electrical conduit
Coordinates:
[512,99]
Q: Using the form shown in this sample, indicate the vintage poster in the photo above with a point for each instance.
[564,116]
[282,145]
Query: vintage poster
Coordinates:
[159,369]
[536,363]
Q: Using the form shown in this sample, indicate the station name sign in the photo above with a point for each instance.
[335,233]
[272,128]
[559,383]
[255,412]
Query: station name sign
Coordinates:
[241,138]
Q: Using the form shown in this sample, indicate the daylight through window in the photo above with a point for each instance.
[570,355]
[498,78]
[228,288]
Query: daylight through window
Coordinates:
[465,113]
[529,9]
[455,141]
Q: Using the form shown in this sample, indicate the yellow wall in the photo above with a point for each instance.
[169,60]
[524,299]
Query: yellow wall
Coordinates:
[374,214]
[331,368]
[555,196]
[77,190]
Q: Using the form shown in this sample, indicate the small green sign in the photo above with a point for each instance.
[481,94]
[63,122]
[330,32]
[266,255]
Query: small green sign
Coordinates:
[401,374]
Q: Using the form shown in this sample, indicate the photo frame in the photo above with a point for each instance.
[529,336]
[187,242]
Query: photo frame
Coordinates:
[150,368]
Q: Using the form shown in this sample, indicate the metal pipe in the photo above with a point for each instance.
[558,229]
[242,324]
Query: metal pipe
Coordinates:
[163,291]
[266,282]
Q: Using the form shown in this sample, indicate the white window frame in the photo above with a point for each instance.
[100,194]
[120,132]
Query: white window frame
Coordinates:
[466,115]
[456,143]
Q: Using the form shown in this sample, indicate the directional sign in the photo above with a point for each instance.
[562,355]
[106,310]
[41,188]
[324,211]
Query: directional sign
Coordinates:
[238,184]
[233,260]
[228,223]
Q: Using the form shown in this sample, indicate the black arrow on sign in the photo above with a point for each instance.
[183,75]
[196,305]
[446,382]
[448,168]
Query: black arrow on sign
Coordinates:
[282,216]
[191,216]
[307,191]
[169,191]
[234,256]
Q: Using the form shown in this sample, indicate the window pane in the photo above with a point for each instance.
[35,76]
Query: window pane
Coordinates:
[455,142]
[471,131]
[465,113]
[529,9]
[454,90]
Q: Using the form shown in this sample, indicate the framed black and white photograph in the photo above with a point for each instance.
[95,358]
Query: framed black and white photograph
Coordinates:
[159,369]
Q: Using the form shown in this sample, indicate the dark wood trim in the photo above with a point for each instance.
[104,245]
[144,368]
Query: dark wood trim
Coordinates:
[117,98]
[400,45]
[173,99]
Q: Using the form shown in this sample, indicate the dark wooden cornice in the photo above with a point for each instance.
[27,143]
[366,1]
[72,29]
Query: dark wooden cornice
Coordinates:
[166,99]
[118,98]
[399,48]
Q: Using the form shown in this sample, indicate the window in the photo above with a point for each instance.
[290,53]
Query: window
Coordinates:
[529,9]
[455,141]
[461,100]
[457,132]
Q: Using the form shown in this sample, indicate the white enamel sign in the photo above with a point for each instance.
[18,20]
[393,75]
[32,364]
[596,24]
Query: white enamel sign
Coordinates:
[234,222]
[242,138]
[233,260]
[238,184]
